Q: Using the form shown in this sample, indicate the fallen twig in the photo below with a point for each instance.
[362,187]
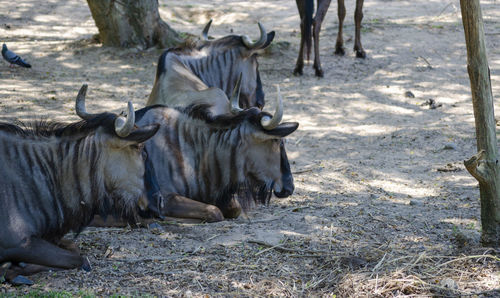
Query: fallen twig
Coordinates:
[468,258]
[284,249]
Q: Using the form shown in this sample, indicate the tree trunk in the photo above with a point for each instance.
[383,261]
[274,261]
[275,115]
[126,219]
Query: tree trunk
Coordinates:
[132,23]
[484,165]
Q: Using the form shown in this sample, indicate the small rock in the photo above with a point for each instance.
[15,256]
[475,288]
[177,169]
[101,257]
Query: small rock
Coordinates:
[20,281]
[415,203]
[155,228]
[448,283]
[155,225]
[449,168]
[109,252]
[188,294]
[310,219]
[409,94]
[432,104]
[450,146]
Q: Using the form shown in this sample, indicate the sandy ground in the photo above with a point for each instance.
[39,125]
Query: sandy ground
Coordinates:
[383,205]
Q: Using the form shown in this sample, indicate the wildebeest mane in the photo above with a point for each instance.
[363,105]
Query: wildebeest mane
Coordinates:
[44,128]
[229,41]
[141,112]
[188,47]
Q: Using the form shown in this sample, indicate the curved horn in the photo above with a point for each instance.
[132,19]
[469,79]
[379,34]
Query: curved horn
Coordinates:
[123,127]
[270,123]
[204,33]
[259,43]
[80,103]
[234,101]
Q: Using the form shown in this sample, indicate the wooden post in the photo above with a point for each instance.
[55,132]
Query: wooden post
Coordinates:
[484,165]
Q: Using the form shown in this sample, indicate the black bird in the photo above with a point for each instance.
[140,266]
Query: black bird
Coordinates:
[13,58]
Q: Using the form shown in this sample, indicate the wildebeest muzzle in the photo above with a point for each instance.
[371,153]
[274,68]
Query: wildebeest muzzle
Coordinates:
[287,186]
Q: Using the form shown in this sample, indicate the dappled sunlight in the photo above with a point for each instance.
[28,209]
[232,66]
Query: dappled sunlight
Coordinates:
[371,130]
[405,187]
[466,222]
[387,108]
[71,65]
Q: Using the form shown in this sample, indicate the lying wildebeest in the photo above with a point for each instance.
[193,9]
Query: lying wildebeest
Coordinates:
[56,176]
[184,74]
[207,72]
[202,160]
[312,26]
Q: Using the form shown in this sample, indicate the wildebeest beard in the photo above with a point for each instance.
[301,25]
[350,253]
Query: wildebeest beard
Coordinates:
[247,193]
[114,206]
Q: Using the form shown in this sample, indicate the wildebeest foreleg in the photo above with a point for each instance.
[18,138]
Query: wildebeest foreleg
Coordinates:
[318,19]
[232,210]
[358,16]
[13,274]
[339,45]
[179,206]
[41,252]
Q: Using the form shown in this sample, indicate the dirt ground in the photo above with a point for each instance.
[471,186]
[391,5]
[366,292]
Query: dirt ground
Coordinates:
[383,205]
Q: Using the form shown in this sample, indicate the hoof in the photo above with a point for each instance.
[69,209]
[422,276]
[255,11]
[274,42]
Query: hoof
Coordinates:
[339,51]
[214,214]
[86,265]
[21,281]
[233,213]
[360,54]
[298,72]
[319,73]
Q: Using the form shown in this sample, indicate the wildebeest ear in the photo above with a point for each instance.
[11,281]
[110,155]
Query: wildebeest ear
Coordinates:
[283,129]
[270,37]
[142,134]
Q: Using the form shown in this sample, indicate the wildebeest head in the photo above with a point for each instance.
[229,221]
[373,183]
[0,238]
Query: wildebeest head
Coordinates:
[125,165]
[235,54]
[267,167]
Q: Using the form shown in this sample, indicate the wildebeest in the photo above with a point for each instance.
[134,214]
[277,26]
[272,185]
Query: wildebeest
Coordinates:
[312,26]
[202,160]
[208,70]
[56,176]
[184,74]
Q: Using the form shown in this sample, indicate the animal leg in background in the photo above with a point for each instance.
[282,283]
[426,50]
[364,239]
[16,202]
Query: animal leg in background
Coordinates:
[306,10]
[358,16]
[339,45]
[318,19]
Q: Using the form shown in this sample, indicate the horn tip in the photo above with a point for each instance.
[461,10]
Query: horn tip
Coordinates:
[83,89]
